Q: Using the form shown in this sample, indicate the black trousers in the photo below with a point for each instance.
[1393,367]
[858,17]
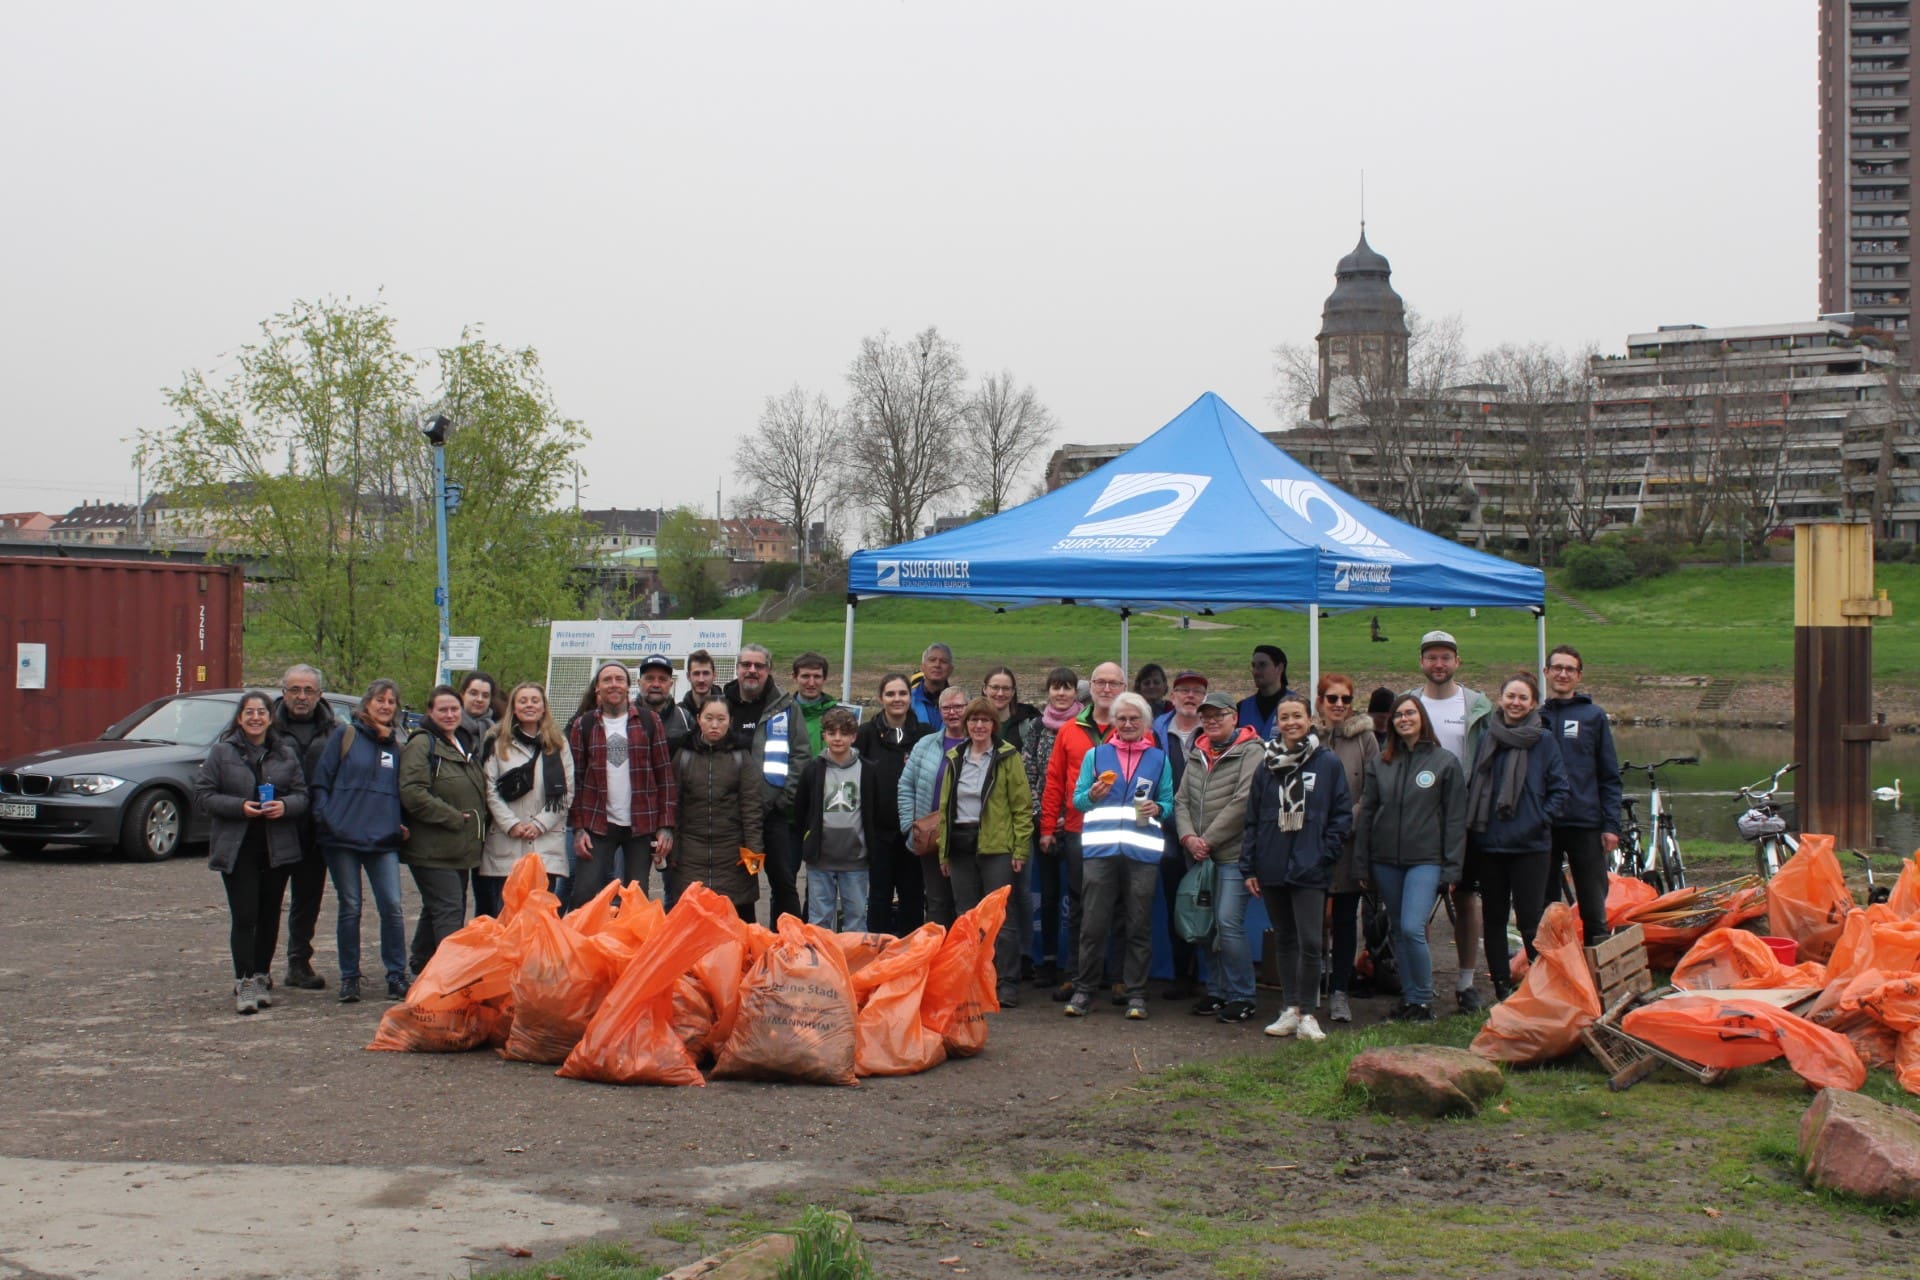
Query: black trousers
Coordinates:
[254,893]
[894,873]
[1516,883]
[1346,938]
[308,883]
[591,875]
[443,909]
[782,868]
[1580,850]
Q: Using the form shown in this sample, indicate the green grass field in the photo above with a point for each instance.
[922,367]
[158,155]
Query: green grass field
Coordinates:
[1706,620]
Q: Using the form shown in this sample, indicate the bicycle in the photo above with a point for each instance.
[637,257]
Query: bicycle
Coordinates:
[1658,864]
[1764,824]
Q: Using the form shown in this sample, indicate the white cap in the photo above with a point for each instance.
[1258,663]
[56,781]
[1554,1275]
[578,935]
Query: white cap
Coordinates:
[1438,639]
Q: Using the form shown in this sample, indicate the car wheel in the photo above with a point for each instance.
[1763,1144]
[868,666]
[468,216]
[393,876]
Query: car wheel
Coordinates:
[23,848]
[153,827]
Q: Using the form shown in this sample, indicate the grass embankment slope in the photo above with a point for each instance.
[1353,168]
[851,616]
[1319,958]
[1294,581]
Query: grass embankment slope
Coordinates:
[1706,621]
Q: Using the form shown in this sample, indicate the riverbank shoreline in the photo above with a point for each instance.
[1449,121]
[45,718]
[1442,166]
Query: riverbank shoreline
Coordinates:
[1735,703]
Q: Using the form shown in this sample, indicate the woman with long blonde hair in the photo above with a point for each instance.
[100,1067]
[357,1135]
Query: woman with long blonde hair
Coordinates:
[529,788]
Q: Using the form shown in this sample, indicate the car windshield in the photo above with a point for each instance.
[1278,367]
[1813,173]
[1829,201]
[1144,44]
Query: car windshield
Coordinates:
[192,722]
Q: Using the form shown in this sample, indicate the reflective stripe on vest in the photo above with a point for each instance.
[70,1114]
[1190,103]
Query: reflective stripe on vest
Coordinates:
[773,765]
[1117,830]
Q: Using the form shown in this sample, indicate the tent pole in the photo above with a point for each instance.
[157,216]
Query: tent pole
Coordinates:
[1313,649]
[846,656]
[1124,615]
[1541,646]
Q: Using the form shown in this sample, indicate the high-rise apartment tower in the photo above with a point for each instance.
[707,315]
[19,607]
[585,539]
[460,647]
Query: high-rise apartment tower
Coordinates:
[1866,170]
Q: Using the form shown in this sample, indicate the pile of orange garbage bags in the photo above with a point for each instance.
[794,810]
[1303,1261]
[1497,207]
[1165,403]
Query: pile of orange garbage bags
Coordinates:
[624,992]
[1864,961]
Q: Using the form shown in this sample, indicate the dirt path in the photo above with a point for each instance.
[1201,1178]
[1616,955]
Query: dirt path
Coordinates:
[149,1131]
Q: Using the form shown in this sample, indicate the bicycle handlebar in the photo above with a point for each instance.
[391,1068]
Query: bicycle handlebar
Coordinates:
[1628,764]
[1752,790]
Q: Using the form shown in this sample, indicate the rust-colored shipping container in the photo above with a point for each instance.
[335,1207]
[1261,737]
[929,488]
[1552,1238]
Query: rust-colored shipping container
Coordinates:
[116,633]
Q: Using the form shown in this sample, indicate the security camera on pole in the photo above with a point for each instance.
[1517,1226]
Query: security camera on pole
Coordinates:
[446,500]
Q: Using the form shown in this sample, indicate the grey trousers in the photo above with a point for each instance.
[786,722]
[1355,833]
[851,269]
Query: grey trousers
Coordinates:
[974,877]
[443,909]
[1116,888]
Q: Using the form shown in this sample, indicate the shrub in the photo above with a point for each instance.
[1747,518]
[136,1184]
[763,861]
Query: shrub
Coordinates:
[1893,550]
[776,576]
[1650,559]
[1596,567]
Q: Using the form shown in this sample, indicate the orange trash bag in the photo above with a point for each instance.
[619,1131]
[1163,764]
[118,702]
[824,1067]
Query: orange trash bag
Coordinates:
[631,1039]
[1727,959]
[1808,899]
[962,985]
[561,980]
[1875,939]
[1904,901]
[1906,1062]
[1543,1018]
[862,949]
[888,1035]
[462,1000]
[707,999]
[1626,895]
[796,1013]
[526,884]
[1725,1031]
[1893,1000]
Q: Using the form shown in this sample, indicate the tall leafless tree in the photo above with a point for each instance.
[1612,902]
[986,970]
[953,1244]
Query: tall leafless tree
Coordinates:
[907,404]
[790,463]
[1541,401]
[1006,426]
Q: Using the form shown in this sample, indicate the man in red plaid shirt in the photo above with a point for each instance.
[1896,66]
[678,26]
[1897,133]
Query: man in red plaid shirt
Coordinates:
[625,796]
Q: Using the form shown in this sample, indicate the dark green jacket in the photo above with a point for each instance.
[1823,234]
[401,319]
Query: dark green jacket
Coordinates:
[444,797]
[1413,812]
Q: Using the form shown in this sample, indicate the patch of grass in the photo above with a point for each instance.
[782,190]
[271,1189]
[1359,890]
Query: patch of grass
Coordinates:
[584,1262]
[678,1232]
[825,1247]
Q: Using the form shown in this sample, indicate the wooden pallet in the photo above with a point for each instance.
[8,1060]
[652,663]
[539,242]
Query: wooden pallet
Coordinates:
[1619,965]
[1628,1059]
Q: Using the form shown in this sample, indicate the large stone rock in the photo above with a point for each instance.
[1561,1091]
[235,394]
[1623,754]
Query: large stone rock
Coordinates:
[1865,1148]
[1425,1080]
[759,1259]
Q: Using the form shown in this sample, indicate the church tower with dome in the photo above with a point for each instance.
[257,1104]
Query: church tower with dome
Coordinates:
[1363,329]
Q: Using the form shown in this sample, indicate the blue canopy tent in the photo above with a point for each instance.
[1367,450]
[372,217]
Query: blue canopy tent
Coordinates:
[1205,514]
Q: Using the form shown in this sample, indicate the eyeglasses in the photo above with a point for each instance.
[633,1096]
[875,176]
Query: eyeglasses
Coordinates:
[751,666]
[1340,699]
[297,690]
[1108,684]
[1561,668]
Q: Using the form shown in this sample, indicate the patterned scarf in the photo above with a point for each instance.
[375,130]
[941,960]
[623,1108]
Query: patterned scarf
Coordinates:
[1285,765]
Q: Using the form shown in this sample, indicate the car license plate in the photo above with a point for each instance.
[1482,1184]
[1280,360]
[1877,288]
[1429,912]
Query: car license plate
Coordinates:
[24,811]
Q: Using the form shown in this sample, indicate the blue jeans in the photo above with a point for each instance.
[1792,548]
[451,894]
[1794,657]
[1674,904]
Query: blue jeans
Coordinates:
[841,894]
[383,873]
[1409,893]
[1230,976]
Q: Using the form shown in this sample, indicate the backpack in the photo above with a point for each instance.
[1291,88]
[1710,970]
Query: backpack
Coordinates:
[1193,910]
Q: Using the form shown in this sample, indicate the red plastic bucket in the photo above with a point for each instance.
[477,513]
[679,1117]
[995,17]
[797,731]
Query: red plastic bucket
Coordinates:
[1785,950]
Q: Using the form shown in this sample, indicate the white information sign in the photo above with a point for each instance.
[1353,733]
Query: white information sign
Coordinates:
[463,652]
[30,666]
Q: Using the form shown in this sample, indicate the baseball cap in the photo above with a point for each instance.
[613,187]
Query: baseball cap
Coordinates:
[1218,701]
[1191,677]
[1438,640]
[655,662]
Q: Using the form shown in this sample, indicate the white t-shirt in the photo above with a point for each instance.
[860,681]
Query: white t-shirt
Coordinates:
[619,781]
[1449,719]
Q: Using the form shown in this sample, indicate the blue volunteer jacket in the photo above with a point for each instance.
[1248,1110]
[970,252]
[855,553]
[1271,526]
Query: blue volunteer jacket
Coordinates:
[1579,725]
[1304,858]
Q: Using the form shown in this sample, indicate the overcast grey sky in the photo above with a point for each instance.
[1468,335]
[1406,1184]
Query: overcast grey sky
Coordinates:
[689,207]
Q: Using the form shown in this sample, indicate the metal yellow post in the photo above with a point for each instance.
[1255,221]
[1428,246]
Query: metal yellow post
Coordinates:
[1834,606]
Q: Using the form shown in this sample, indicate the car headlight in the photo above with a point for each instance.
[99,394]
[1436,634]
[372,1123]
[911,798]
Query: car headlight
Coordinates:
[91,784]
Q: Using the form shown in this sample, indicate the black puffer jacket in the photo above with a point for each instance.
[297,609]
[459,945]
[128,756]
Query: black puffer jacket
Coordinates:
[229,777]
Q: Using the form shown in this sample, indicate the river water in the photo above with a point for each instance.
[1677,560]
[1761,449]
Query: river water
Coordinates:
[1702,797]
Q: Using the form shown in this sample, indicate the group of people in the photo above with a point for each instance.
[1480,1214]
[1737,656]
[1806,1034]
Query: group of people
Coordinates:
[924,804]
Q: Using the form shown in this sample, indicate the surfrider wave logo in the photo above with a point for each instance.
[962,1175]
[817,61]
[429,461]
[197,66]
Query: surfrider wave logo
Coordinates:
[1346,530]
[1364,577]
[1137,530]
[922,573]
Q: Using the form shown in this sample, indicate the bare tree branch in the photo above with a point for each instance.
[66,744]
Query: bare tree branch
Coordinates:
[1008,425]
[791,463]
[903,418]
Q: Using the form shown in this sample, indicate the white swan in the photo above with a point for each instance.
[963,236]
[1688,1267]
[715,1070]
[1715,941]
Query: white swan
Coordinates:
[1888,793]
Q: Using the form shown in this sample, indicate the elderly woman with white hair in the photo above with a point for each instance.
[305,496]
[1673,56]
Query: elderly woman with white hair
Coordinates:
[1126,791]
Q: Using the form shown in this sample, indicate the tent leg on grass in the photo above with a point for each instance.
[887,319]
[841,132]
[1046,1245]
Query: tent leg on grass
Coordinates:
[1313,653]
[846,658]
[1125,666]
[1540,616]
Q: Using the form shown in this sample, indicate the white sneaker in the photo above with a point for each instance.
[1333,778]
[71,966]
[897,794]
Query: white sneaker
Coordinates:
[1310,1030]
[1286,1024]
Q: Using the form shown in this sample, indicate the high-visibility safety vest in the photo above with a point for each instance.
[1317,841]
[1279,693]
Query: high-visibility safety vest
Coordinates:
[773,764]
[1115,828]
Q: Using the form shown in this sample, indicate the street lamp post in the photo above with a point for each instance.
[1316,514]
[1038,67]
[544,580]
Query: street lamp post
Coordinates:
[436,433]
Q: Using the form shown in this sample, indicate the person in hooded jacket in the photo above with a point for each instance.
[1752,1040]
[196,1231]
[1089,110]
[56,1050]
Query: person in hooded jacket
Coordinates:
[723,805]
[1210,813]
[253,837]
[528,752]
[1514,795]
[359,827]
[897,895]
[1411,840]
[1350,737]
[443,795]
[1298,816]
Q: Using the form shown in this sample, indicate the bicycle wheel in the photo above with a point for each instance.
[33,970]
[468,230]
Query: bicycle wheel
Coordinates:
[1673,870]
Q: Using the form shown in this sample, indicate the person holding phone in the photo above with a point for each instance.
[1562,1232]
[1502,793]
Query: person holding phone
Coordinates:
[249,786]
